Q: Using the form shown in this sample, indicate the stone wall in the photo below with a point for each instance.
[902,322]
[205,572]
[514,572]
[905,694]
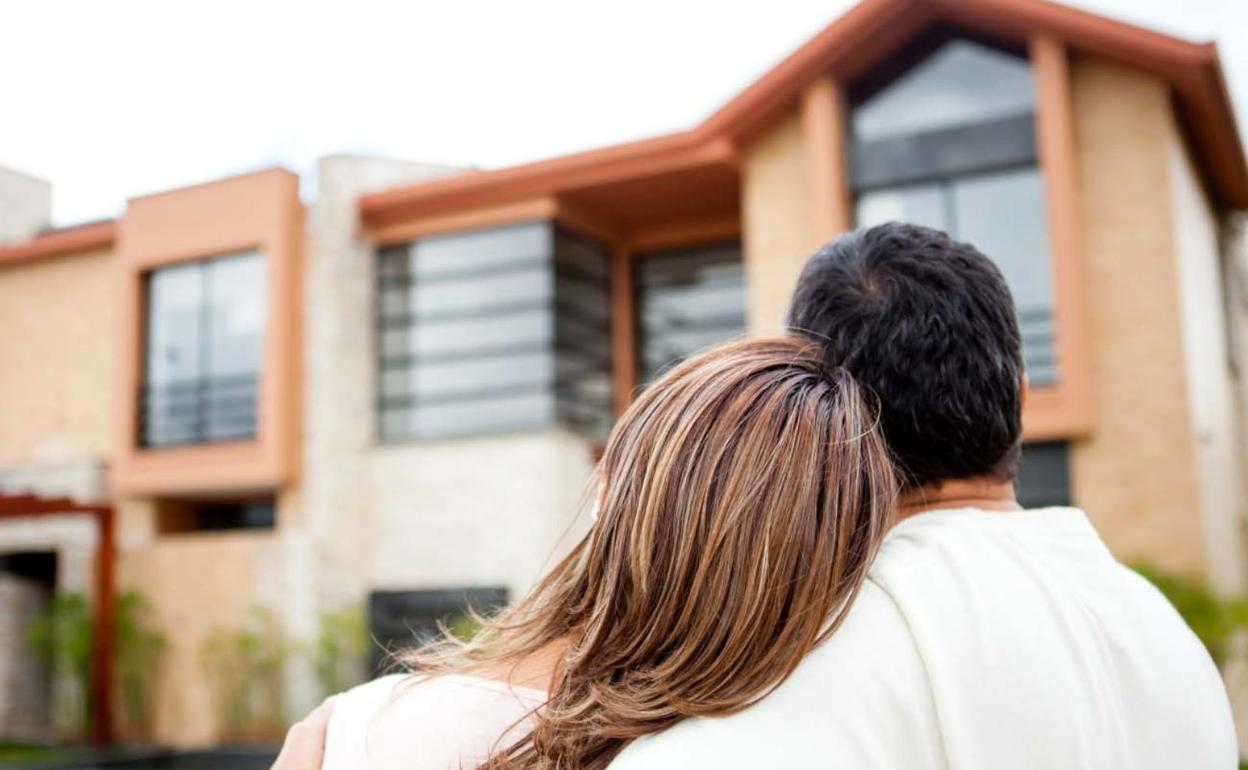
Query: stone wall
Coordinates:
[25,681]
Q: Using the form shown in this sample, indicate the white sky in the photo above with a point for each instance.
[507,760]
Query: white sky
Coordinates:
[114,99]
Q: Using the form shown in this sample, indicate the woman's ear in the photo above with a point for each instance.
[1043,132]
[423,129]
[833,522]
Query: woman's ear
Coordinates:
[1024,386]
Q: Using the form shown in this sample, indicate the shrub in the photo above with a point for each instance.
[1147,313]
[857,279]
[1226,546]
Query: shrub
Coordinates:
[246,672]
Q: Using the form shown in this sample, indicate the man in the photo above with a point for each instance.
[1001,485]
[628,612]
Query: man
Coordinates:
[986,636]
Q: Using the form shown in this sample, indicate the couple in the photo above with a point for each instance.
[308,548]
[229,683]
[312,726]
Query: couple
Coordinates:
[808,553]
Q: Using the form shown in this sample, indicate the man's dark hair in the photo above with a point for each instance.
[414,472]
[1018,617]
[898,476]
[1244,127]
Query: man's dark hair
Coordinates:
[928,325]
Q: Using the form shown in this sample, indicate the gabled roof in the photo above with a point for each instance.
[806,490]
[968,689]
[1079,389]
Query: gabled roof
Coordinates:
[857,41]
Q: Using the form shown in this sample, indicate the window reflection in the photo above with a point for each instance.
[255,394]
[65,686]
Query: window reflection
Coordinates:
[688,300]
[205,325]
[493,330]
[960,84]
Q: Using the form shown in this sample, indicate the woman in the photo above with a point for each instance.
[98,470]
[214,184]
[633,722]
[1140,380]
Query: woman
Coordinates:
[742,497]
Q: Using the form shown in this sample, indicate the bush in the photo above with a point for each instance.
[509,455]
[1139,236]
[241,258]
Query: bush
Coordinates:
[64,637]
[139,652]
[340,651]
[246,673]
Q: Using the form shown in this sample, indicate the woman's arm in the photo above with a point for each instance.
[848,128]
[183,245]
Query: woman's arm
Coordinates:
[304,748]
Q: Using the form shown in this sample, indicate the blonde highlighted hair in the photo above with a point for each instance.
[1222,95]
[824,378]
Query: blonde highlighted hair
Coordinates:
[743,496]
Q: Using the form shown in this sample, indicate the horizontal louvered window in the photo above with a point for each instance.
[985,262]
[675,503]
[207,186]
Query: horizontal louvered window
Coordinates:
[490,331]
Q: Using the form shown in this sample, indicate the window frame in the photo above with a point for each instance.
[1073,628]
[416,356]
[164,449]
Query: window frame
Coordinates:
[674,251]
[564,409]
[204,383]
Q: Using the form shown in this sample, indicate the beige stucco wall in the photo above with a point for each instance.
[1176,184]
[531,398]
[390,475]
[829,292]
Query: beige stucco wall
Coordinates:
[1136,475]
[196,583]
[477,512]
[778,230]
[57,359]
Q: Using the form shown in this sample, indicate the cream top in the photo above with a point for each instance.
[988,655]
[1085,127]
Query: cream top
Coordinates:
[416,723]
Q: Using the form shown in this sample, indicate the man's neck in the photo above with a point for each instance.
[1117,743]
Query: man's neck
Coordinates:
[985,493]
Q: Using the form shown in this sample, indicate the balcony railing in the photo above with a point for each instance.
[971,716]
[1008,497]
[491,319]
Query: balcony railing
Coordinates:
[198,411]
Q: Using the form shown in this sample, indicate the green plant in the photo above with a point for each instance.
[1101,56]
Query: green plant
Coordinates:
[139,649]
[62,638]
[340,650]
[1214,619]
[246,669]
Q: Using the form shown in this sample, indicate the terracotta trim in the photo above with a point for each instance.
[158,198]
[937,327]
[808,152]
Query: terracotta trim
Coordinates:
[664,154]
[624,340]
[845,48]
[825,132]
[543,207]
[258,211]
[1066,410]
[586,222]
[73,240]
[684,234]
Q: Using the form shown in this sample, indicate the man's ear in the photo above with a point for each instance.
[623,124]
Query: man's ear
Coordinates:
[1024,386]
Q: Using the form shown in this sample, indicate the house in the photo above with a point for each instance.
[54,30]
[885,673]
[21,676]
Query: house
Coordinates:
[394,393]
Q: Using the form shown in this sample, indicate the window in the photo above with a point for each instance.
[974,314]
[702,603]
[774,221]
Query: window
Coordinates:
[205,322]
[687,300]
[179,516]
[951,144]
[494,330]
[1044,476]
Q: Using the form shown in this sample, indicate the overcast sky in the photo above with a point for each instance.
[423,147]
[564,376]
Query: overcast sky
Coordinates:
[114,99]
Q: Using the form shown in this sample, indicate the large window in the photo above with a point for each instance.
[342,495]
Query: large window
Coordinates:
[204,325]
[494,330]
[950,143]
[688,299]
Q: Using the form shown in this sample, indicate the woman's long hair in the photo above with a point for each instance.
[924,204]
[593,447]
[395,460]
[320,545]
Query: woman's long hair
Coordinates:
[743,496]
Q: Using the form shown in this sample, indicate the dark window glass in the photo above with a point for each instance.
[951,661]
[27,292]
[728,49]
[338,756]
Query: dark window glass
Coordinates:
[399,620]
[178,516]
[494,330]
[687,300]
[1044,476]
[950,144]
[205,325]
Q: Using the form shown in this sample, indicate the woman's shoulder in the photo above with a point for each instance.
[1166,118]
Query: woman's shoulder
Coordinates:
[425,723]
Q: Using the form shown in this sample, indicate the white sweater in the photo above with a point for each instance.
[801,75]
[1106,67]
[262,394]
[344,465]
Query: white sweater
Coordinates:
[401,722]
[981,641]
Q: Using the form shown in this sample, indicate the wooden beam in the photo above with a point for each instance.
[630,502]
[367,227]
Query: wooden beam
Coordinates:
[623,328]
[1067,409]
[102,651]
[825,135]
